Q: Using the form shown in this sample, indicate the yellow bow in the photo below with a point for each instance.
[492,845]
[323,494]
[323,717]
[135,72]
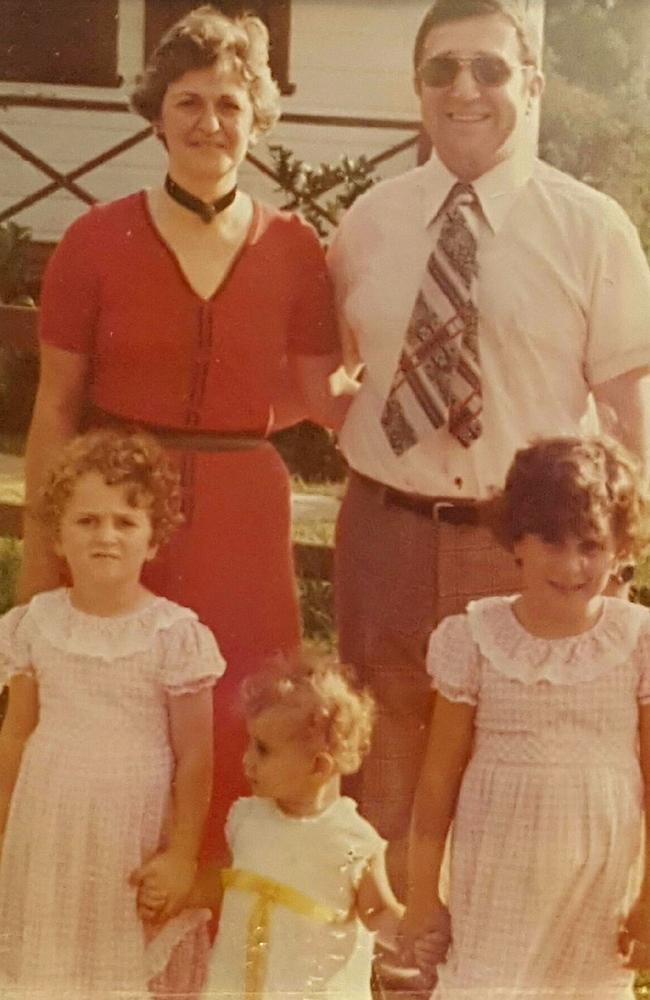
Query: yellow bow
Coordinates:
[270,894]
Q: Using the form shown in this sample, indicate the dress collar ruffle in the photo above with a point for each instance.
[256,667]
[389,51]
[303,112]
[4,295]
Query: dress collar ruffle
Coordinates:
[519,655]
[106,638]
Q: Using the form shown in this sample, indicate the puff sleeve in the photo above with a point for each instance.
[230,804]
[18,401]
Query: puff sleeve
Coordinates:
[237,814]
[453,660]
[191,660]
[15,644]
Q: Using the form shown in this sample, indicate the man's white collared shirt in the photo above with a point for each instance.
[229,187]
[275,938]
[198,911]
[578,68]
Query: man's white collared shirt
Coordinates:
[563,300]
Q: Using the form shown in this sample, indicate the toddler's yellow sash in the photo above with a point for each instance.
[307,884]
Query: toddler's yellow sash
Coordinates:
[270,894]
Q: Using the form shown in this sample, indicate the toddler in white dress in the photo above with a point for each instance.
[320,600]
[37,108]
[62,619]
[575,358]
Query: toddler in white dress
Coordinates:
[306,885]
[106,750]
[539,748]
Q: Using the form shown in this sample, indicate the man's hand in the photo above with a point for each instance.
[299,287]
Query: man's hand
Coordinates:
[634,936]
[425,939]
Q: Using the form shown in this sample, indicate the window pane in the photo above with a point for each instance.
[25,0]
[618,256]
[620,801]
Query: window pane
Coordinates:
[161,14]
[59,41]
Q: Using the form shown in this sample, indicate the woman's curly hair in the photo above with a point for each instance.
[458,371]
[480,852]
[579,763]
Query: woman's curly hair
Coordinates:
[134,460]
[332,712]
[565,486]
[201,39]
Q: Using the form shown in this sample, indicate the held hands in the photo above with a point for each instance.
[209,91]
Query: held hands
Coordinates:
[425,940]
[163,885]
[634,936]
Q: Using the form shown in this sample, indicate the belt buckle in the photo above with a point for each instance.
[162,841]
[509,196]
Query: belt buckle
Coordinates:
[438,506]
[461,514]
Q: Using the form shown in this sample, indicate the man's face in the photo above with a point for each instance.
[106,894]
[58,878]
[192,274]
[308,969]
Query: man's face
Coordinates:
[474,126]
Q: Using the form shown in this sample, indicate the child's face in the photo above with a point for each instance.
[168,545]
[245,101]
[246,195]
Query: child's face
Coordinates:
[278,763]
[102,537]
[572,571]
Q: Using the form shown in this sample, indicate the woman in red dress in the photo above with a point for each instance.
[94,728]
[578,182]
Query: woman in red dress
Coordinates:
[207,317]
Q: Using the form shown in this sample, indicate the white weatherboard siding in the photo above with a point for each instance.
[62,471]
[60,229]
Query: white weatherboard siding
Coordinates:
[348,57]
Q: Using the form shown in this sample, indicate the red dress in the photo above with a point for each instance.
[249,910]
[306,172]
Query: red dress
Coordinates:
[162,355]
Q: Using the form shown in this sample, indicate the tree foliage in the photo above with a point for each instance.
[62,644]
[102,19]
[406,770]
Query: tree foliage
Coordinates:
[595,109]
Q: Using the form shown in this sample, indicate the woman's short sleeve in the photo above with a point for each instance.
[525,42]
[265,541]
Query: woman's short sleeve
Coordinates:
[70,294]
[453,660]
[192,659]
[15,644]
[313,328]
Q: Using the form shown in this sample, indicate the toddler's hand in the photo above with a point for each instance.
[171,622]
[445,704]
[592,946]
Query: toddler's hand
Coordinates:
[634,936]
[150,903]
[167,879]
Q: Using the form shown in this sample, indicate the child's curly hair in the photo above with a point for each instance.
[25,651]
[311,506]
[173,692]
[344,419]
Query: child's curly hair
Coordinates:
[135,460]
[572,486]
[331,710]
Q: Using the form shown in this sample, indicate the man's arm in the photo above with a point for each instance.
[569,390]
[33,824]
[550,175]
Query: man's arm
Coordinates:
[624,410]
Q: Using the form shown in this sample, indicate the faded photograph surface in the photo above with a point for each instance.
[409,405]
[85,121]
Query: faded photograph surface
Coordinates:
[324,427]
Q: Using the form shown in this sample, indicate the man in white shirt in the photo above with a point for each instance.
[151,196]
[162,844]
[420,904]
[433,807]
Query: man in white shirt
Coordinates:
[563,305]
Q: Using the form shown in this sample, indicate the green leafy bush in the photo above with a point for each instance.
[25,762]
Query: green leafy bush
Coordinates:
[18,369]
[14,241]
[306,186]
[309,452]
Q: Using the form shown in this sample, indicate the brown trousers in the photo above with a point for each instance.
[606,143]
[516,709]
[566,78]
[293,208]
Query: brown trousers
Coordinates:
[398,573]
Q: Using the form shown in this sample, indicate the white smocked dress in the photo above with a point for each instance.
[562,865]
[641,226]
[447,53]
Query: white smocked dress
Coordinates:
[318,861]
[545,848]
[92,795]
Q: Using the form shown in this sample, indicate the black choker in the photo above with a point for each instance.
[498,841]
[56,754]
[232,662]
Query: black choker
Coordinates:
[206,210]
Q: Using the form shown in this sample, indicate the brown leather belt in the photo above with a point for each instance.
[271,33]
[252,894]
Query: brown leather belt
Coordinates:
[448,510]
[183,439]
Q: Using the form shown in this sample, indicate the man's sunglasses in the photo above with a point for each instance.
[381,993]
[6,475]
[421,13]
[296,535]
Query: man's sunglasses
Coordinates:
[488,71]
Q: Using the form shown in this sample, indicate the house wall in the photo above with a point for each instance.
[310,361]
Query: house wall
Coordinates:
[348,57]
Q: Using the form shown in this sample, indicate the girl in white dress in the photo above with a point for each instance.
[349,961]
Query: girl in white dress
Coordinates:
[306,884]
[105,753]
[539,748]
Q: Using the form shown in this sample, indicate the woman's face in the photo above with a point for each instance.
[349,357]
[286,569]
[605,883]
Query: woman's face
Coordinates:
[206,120]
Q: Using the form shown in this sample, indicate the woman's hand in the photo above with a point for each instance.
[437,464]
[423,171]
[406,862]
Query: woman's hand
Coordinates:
[634,936]
[424,938]
[163,885]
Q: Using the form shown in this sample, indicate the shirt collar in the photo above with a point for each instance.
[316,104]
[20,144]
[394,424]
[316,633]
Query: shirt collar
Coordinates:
[496,190]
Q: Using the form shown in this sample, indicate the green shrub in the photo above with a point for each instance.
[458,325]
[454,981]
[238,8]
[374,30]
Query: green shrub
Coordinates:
[14,241]
[316,599]
[9,565]
[18,382]
[309,452]
[18,369]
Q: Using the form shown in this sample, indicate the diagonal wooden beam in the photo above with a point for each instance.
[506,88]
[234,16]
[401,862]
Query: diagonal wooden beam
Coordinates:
[374,161]
[45,168]
[67,180]
[111,153]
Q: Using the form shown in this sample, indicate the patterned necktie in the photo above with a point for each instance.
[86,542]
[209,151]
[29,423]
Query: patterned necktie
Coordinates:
[437,382]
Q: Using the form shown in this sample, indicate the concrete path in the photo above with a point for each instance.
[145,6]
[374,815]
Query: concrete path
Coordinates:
[308,507]
[12,486]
